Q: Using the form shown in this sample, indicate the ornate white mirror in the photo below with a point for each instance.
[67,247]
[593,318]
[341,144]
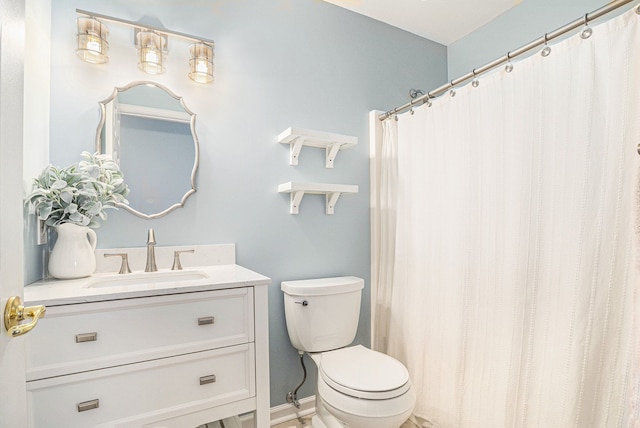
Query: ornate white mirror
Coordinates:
[150,133]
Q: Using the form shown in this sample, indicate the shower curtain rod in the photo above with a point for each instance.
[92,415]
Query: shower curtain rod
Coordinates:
[510,55]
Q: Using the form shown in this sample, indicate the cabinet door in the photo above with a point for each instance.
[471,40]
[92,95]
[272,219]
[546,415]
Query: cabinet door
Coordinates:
[158,389]
[90,336]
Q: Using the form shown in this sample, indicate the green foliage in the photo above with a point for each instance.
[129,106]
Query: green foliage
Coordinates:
[79,193]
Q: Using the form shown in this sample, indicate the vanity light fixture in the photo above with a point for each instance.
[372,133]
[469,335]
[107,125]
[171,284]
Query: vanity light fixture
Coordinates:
[151,43]
[201,62]
[92,40]
[152,48]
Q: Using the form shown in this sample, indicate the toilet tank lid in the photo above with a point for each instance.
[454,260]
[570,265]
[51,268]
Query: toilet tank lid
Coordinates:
[322,286]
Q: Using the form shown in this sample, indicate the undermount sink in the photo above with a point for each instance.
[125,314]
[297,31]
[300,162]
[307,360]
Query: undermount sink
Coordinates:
[142,278]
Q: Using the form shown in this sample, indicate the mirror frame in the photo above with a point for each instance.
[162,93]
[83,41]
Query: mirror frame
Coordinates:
[192,122]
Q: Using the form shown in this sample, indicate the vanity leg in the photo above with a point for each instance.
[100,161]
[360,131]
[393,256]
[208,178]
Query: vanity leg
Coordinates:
[261,306]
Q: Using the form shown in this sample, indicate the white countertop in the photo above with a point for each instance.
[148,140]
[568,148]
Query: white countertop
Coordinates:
[67,292]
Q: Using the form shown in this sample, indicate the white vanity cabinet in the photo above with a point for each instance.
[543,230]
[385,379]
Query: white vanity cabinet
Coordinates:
[178,356]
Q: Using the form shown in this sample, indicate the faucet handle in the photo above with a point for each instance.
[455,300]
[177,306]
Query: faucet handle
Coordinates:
[176,259]
[124,266]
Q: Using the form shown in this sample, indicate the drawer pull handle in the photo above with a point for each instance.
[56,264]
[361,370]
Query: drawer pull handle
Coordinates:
[86,337]
[205,320]
[88,405]
[207,379]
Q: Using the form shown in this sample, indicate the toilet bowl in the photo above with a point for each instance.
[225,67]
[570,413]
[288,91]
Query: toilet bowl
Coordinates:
[362,388]
[356,387]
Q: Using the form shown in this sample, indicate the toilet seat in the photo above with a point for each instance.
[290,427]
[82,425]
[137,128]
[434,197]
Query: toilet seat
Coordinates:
[363,373]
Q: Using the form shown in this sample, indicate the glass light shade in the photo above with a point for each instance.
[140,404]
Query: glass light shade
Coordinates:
[151,49]
[92,40]
[201,63]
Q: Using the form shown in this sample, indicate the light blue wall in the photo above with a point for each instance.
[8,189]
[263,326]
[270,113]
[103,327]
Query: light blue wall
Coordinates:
[279,63]
[518,26]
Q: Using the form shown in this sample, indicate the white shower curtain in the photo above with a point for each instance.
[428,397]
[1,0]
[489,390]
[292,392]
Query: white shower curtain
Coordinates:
[510,238]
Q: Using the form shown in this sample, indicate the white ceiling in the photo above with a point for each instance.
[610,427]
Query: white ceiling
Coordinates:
[443,21]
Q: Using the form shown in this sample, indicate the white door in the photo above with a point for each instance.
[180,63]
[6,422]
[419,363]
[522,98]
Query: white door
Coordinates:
[13,411]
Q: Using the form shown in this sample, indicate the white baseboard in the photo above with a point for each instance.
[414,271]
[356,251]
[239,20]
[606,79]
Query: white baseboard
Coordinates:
[287,412]
[284,412]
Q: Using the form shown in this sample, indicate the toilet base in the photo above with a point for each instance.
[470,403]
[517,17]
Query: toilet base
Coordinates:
[322,418]
[317,423]
[325,419]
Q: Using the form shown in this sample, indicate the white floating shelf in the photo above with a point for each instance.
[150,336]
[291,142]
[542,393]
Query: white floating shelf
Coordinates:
[331,191]
[332,143]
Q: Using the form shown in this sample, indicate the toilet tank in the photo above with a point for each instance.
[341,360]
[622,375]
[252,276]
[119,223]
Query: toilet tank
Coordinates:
[322,314]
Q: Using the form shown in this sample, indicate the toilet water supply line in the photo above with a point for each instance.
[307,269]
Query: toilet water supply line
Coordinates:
[292,396]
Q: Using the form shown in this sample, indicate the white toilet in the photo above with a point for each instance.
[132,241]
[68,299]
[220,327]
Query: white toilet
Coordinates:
[357,387]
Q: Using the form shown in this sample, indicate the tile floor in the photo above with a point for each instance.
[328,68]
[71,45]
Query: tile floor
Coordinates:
[305,422]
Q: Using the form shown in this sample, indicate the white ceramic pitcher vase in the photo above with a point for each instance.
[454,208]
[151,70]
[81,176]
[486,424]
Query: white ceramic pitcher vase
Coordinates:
[73,253]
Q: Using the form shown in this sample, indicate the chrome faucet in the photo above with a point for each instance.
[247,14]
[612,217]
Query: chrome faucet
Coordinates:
[151,253]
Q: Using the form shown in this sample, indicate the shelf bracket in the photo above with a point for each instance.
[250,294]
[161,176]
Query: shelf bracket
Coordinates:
[332,198]
[296,198]
[294,153]
[331,192]
[332,150]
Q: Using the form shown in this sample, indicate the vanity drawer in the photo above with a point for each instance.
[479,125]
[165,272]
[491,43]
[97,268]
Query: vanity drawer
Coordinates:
[89,336]
[139,391]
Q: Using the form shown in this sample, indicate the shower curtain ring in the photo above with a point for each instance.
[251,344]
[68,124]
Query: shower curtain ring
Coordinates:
[452,92]
[586,33]
[547,50]
[509,67]
[475,82]
[411,107]
[427,101]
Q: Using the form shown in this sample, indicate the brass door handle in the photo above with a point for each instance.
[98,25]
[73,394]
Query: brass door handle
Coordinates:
[15,312]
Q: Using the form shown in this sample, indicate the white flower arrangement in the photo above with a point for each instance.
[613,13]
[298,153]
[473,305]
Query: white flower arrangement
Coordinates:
[80,192]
